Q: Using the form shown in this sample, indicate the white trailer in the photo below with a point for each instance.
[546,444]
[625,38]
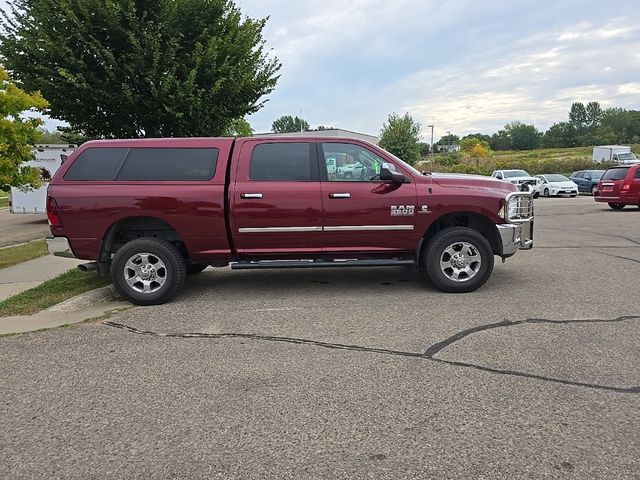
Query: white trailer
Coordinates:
[613,153]
[48,159]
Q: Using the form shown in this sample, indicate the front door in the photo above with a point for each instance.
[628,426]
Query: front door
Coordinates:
[275,203]
[362,214]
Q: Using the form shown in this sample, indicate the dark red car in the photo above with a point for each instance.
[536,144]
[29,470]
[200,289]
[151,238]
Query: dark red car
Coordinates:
[619,186]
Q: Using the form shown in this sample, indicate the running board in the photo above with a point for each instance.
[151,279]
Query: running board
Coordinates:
[318,264]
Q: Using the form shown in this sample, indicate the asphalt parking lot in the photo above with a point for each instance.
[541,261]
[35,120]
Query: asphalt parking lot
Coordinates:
[350,373]
[19,228]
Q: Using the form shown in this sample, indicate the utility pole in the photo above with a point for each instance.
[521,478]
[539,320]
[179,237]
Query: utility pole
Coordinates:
[431,145]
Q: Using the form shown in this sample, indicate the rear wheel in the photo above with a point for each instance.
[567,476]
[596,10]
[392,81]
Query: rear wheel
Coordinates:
[458,259]
[616,206]
[148,271]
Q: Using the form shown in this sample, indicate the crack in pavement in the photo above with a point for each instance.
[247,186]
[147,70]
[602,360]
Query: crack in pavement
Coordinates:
[428,355]
[618,256]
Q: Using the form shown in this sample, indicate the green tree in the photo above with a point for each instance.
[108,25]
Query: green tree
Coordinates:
[523,136]
[561,134]
[124,68]
[239,128]
[501,141]
[449,139]
[578,117]
[289,124]
[401,136]
[593,115]
[17,135]
[49,137]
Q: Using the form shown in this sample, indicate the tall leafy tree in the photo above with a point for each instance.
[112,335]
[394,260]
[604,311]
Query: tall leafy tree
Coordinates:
[561,134]
[578,116]
[401,136]
[17,134]
[289,124]
[523,136]
[593,114]
[133,68]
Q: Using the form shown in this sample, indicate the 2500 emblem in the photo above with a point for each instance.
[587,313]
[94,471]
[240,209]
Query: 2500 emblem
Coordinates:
[402,210]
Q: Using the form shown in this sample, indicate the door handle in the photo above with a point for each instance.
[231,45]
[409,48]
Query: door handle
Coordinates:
[250,195]
[339,195]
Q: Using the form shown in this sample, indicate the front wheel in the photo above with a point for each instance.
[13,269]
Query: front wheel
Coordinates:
[458,260]
[148,271]
[616,206]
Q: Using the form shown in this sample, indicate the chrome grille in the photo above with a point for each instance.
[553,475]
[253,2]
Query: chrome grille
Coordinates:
[519,207]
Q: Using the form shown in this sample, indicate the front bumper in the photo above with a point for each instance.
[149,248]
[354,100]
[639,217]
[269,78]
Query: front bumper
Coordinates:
[59,246]
[515,236]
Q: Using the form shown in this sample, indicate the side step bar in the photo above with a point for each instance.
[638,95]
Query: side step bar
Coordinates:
[318,264]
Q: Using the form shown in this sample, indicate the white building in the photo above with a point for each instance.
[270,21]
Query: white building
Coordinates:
[334,132]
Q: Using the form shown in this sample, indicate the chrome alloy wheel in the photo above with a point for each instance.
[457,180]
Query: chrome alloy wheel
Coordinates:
[460,261]
[145,273]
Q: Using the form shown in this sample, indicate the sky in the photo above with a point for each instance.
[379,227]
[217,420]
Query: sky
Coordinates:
[465,66]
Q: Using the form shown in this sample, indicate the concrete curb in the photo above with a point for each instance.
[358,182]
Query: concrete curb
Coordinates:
[92,304]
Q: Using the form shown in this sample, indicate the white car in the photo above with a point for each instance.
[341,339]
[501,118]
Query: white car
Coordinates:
[353,170]
[553,184]
[518,177]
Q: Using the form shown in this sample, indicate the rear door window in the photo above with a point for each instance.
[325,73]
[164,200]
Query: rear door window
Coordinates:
[615,174]
[96,164]
[289,162]
[166,164]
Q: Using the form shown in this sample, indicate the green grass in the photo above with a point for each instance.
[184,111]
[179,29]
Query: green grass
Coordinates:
[21,253]
[51,292]
[4,201]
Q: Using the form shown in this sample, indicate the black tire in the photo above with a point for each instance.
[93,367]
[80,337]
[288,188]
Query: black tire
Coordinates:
[437,247]
[195,268]
[172,271]
[536,195]
[546,192]
[616,206]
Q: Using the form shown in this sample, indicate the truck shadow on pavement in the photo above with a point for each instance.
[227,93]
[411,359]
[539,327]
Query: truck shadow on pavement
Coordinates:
[430,354]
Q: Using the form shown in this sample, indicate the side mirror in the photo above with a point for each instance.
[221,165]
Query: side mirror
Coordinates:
[388,173]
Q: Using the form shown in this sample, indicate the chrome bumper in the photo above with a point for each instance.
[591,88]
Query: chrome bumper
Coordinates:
[515,236]
[59,246]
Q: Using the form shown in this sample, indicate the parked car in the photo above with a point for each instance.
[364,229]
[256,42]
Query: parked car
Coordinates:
[353,170]
[587,180]
[519,177]
[619,186]
[552,184]
[151,211]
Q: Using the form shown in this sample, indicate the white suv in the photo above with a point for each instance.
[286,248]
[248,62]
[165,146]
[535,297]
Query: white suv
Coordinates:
[519,178]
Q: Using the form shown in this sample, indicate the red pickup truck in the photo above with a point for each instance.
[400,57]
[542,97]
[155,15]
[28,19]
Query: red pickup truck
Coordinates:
[152,211]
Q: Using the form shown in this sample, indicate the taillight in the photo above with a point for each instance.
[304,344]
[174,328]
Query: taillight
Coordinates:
[626,186]
[53,214]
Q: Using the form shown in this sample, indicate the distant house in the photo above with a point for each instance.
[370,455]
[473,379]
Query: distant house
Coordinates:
[329,133]
[450,148]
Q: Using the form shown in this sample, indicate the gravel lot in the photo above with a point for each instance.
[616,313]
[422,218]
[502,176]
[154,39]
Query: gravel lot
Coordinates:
[351,373]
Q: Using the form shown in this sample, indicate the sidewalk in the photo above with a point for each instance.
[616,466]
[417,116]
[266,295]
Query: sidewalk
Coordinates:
[32,273]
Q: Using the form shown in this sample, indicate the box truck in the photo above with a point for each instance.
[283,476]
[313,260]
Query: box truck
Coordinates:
[620,154]
[48,158]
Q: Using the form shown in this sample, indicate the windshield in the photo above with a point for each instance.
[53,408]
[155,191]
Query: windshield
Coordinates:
[596,174]
[556,178]
[615,173]
[515,173]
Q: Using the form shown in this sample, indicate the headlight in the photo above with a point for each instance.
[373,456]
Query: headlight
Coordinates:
[513,207]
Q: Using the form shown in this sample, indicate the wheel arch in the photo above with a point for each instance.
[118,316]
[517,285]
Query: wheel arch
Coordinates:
[128,228]
[477,221]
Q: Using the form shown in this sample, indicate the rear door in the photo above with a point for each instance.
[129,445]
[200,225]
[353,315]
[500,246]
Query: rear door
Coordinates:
[275,198]
[612,181]
[363,214]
